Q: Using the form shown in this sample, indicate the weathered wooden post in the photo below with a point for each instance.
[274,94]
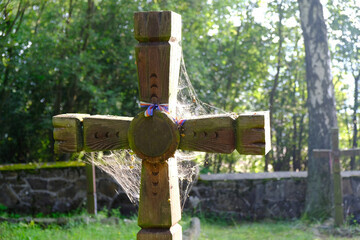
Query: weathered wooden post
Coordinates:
[64,127]
[156,139]
[337,180]
[91,203]
[334,160]
[156,136]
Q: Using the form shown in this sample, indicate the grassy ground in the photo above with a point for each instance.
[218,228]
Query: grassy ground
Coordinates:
[210,229]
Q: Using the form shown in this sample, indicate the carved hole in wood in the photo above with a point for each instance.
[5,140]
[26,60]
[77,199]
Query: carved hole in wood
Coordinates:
[203,134]
[154,88]
[216,134]
[194,134]
[154,99]
[117,134]
[155,183]
[154,193]
[155,173]
[258,130]
[96,135]
[107,134]
[259,144]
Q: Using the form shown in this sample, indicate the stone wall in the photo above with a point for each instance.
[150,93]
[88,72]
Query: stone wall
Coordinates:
[244,196]
[279,195]
[58,190]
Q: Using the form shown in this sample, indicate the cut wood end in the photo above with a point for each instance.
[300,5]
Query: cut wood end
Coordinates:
[253,133]
[157,26]
[68,133]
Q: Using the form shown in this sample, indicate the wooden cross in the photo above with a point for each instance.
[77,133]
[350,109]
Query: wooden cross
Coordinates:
[334,155]
[155,139]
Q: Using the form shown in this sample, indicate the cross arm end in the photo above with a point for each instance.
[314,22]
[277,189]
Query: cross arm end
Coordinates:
[253,133]
[67,132]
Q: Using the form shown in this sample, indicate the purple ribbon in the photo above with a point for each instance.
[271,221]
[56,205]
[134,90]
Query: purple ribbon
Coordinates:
[162,107]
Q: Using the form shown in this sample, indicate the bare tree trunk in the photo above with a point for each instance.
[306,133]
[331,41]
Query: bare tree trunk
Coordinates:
[208,160]
[301,131]
[296,162]
[276,79]
[321,107]
[356,106]
[10,24]
[73,91]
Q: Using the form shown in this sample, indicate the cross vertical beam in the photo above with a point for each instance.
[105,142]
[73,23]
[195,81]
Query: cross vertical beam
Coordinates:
[337,181]
[158,57]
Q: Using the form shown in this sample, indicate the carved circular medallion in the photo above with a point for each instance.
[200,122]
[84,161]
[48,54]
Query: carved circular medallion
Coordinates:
[154,138]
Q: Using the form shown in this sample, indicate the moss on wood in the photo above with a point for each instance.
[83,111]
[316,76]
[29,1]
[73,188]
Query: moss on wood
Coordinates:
[33,165]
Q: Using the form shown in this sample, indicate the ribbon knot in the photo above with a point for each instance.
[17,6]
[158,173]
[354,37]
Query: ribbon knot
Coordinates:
[161,107]
[152,106]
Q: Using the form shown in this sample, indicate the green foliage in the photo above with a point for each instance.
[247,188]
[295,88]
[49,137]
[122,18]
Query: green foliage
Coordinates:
[63,57]
[3,208]
[344,30]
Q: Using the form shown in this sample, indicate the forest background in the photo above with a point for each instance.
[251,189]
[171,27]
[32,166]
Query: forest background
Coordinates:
[78,56]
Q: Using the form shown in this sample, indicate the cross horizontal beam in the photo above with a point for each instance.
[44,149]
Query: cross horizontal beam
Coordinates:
[350,152]
[248,133]
[343,153]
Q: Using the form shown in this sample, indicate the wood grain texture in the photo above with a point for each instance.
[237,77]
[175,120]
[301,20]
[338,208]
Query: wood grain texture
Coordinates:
[106,133]
[68,132]
[208,134]
[174,233]
[158,56]
[154,138]
[160,26]
[253,133]
[159,205]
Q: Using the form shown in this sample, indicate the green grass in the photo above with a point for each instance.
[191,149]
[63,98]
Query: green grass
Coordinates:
[127,229]
[81,231]
[260,230]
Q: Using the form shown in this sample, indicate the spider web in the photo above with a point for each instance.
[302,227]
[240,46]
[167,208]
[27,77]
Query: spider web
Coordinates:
[125,167]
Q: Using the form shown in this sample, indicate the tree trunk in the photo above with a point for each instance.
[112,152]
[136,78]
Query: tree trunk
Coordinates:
[355,131]
[276,82]
[321,107]
[296,162]
[301,131]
